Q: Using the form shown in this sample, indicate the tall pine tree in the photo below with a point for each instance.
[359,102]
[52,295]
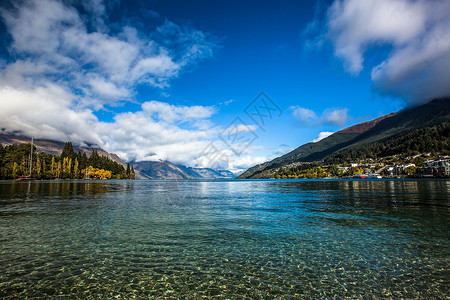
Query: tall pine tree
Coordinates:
[67,150]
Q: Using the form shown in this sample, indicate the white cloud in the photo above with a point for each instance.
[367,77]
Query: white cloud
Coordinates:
[151,133]
[154,133]
[227,102]
[98,13]
[335,116]
[418,65]
[57,44]
[354,25]
[241,164]
[330,116]
[44,112]
[36,26]
[304,116]
[322,135]
[171,113]
[100,85]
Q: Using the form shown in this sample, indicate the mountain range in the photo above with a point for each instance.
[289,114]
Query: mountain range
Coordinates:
[143,169]
[380,130]
[168,170]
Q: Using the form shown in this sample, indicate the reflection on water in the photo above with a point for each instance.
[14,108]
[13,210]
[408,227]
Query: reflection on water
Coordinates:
[225,239]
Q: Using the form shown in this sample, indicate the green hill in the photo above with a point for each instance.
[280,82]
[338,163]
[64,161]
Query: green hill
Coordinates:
[383,129]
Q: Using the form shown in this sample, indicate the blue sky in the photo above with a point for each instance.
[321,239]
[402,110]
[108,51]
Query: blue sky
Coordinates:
[170,80]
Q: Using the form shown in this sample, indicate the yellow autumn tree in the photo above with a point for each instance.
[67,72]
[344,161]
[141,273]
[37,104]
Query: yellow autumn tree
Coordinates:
[94,173]
[69,167]
[101,174]
[65,168]
[37,166]
[75,168]
[58,170]
[15,169]
[53,168]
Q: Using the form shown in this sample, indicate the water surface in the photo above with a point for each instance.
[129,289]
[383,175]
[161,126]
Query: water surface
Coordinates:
[225,239]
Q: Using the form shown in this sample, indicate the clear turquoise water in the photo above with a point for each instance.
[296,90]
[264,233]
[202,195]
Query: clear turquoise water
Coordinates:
[225,239]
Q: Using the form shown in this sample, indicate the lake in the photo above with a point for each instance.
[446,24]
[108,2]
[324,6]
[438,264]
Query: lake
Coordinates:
[225,239]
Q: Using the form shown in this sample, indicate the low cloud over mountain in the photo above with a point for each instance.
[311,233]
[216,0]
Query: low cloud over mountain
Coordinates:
[415,36]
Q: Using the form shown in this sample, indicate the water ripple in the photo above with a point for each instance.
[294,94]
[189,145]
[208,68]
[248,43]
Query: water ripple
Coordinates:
[225,239]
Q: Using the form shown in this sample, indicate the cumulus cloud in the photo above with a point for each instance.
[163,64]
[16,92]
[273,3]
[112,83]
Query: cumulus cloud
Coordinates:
[322,135]
[167,113]
[65,64]
[330,116]
[418,65]
[303,115]
[335,116]
[150,134]
[55,43]
[44,113]
[141,135]
[240,164]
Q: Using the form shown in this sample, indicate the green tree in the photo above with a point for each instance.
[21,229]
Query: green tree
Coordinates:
[334,170]
[67,150]
[94,160]
[132,174]
[411,170]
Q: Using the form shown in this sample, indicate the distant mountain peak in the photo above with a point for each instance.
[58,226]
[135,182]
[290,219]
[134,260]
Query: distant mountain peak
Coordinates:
[167,170]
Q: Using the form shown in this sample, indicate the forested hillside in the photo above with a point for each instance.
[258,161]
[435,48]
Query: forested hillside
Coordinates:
[430,139]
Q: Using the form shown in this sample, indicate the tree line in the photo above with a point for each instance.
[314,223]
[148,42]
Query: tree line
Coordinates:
[314,170]
[15,162]
[308,170]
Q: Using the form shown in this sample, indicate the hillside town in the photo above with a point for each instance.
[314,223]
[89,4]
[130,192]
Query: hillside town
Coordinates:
[438,168]
[426,165]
